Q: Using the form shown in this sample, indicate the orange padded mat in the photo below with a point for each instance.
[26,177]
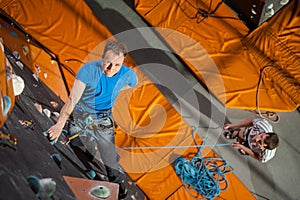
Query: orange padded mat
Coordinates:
[238,56]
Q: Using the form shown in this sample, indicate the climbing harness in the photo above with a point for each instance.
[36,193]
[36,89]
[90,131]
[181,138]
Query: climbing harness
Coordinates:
[84,123]
[203,175]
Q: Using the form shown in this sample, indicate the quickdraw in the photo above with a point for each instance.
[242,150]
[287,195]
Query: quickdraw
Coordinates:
[85,123]
[27,124]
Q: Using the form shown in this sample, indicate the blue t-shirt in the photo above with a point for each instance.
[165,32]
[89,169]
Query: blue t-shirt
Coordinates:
[101,91]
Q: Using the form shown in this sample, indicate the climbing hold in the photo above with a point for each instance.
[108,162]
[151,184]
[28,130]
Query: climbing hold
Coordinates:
[54,104]
[37,69]
[52,142]
[20,64]
[18,84]
[57,159]
[270,6]
[38,107]
[269,13]
[14,34]
[27,124]
[54,116]
[8,140]
[47,112]
[34,184]
[100,191]
[16,55]
[283,2]
[5,104]
[42,187]
[36,77]
[25,50]
[48,186]
[91,174]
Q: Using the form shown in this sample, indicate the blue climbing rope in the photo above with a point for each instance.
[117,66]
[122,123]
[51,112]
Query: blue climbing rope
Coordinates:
[204,175]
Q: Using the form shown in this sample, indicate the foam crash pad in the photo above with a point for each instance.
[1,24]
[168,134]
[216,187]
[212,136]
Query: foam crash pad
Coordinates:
[275,44]
[238,61]
[82,188]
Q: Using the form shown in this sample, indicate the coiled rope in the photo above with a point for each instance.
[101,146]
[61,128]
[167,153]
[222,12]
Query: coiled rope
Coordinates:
[203,175]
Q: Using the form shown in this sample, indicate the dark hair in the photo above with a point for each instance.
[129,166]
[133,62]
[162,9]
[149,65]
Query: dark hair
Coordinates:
[116,47]
[271,141]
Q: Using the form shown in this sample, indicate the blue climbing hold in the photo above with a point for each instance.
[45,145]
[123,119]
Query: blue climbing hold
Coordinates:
[5,104]
[52,142]
[57,159]
[14,34]
[91,174]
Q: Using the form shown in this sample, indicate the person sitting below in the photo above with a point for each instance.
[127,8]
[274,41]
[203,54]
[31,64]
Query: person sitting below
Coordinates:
[255,137]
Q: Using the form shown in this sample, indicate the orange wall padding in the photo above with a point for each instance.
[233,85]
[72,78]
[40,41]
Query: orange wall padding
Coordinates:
[67,28]
[235,81]
[35,58]
[276,44]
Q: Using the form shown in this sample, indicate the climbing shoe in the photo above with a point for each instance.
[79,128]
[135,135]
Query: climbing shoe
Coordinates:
[122,190]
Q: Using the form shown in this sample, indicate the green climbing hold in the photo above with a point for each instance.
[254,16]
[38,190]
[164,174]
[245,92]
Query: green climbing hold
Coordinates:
[100,191]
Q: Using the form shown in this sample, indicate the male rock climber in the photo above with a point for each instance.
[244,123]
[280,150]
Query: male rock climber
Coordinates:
[93,94]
